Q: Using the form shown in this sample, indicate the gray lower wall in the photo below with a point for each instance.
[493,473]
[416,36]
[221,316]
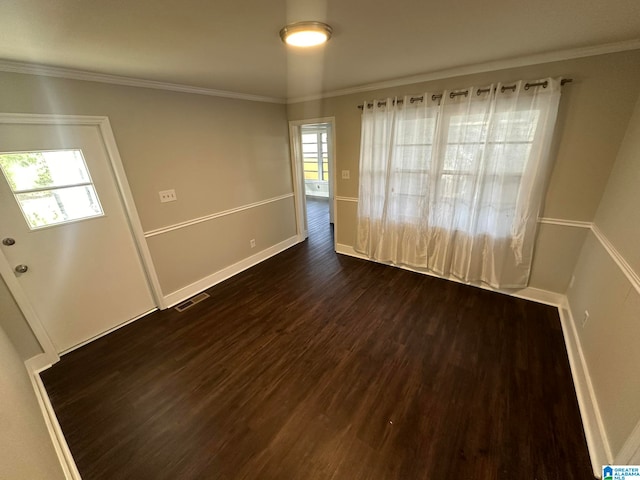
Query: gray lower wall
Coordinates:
[610,338]
[15,325]
[26,451]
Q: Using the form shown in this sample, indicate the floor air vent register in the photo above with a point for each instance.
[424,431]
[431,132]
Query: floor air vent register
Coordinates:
[181,307]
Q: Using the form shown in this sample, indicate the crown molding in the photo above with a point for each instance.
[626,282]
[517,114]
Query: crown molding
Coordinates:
[515,62]
[49,71]
[560,55]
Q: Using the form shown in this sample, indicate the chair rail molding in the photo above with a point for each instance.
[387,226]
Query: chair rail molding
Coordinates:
[206,218]
[72,74]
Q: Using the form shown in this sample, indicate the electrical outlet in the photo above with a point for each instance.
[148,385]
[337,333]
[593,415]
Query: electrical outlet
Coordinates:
[167,196]
[585,318]
[252,243]
[345,174]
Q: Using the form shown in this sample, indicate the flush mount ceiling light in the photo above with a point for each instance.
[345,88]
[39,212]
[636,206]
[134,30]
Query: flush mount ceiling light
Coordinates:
[306,34]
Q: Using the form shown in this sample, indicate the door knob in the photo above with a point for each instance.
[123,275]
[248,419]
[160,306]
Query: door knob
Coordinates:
[8,241]
[21,268]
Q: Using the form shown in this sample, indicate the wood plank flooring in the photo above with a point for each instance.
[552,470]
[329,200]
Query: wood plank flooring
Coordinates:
[318,366]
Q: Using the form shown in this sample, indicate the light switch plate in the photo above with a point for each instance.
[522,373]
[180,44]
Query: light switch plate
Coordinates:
[345,174]
[167,196]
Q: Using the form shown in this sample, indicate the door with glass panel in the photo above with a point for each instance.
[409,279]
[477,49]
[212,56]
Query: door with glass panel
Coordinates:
[65,232]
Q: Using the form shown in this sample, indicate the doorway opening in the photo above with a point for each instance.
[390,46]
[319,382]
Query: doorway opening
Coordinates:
[315,158]
[313,168]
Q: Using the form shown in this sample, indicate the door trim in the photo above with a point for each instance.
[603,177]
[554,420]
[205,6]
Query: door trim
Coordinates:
[297,170]
[126,197]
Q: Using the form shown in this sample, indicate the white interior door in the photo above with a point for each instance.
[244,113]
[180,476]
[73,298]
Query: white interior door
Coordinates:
[65,231]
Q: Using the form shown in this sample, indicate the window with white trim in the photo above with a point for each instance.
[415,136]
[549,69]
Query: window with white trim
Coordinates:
[315,152]
[51,187]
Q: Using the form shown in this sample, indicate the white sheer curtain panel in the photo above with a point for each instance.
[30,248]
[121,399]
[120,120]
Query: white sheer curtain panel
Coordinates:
[454,184]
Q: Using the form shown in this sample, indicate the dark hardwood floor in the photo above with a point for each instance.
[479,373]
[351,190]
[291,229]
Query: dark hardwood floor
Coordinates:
[314,365]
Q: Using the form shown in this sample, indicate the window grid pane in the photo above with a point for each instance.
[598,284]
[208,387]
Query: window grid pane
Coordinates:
[470,147]
[51,187]
[315,151]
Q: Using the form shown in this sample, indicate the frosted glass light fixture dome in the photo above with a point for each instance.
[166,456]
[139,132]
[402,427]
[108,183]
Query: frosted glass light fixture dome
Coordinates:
[306,34]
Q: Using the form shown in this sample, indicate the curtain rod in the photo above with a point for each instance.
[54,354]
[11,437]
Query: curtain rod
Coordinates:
[527,86]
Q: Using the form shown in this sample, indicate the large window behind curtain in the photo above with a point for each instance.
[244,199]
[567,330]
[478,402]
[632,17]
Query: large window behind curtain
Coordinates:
[454,184]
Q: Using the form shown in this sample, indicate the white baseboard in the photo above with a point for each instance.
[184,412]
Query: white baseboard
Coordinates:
[38,363]
[34,366]
[599,449]
[209,281]
[42,361]
[534,294]
[348,250]
[537,295]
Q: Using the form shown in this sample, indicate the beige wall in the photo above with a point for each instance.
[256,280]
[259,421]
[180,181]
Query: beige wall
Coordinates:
[618,216]
[15,325]
[268,224]
[594,113]
[26,451]
[220,154]
[217,153]
[610,337]
[556,251]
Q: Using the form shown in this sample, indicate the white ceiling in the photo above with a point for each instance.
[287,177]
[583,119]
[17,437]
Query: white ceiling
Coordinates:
[233,45]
